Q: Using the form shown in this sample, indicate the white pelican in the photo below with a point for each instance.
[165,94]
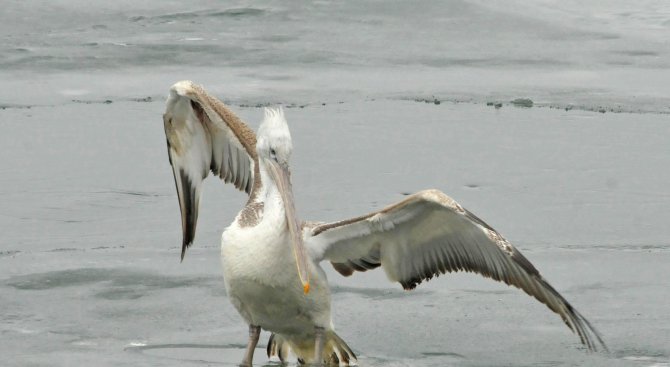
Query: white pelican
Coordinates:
[271,260]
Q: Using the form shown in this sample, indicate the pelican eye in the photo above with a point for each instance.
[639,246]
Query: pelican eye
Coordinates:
[273,154]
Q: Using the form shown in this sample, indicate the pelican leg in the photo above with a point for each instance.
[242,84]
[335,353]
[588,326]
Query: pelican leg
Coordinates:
[319,341]
[254,334]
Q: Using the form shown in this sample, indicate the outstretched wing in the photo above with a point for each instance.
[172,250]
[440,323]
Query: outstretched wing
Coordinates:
[428,234]
[203,135]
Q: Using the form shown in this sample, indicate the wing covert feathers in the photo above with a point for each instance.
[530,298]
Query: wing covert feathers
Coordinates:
[429,234]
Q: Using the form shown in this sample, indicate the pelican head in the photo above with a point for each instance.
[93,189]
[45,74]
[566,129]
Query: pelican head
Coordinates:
[274,138]
[274,150]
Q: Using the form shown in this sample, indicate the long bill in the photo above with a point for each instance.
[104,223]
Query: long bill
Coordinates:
[282,177]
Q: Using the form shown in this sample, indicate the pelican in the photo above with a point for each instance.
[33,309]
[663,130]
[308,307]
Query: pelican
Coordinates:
[272,261]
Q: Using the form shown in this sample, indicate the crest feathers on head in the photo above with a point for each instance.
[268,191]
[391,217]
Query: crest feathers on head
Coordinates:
[274,129]
[274,112]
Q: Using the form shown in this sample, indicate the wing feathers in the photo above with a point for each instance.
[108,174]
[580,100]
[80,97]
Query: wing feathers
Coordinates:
[189,206]
[203,135]
[429,234]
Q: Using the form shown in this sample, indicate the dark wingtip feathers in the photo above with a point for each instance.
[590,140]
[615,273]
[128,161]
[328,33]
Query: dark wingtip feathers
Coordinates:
[189,210]
[183,252]
[588,335]
[189,235]
[271,345]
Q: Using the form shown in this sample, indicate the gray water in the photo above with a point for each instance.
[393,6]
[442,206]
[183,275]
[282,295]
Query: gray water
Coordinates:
[383,99]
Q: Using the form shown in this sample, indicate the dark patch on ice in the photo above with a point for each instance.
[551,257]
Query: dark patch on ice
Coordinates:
[186,345]
[122,283]
[56,279]
[258,105]
[554,105]
[207,354]
[12,317]
[378,293]
[7,106]
[238,12]
[131,193]
[522,102]
[275,38]
[442,354]
[206,13]
[596,35]
[486,62]
[120,293]
[472,186]
[616,247]
[432,100]
[636,53]
[107,247]
[619,62]
[65,249]
[181,15]
[9,253]
[135,285]
[84,101]
[142,99]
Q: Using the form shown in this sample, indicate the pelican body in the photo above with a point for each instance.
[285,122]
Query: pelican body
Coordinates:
[271,259]
[259,268]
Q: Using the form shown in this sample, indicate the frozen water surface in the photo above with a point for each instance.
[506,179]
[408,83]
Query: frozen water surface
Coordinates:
[383,99]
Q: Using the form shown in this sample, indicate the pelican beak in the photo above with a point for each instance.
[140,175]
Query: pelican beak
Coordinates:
[282,177]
